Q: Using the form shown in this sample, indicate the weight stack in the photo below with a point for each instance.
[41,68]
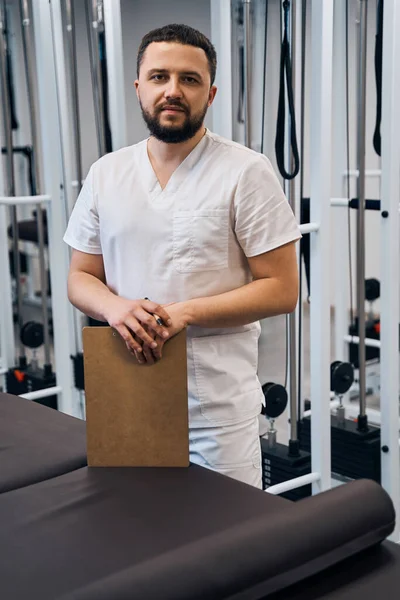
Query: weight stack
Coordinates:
[278,466]
[31,380]
[355,454]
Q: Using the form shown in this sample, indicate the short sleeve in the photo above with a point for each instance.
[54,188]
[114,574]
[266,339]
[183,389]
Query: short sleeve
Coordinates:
[264,219]
[83,232]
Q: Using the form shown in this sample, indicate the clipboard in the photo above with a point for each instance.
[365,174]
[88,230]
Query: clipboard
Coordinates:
[136,415]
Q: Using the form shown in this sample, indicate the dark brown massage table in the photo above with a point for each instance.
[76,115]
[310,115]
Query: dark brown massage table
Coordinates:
[37,443]
[186,534]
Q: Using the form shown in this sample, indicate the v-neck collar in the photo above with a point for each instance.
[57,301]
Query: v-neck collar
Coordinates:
[178,176]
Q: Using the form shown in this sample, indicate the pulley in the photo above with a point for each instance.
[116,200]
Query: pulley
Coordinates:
[276,399]
[372,289]
[32,334]
[342,377]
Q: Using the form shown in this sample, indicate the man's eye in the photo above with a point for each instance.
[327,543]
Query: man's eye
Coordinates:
[190,80]
[158,77]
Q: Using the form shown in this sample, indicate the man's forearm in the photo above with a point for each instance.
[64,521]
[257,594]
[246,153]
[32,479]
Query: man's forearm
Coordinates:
[257,300]
[89,295]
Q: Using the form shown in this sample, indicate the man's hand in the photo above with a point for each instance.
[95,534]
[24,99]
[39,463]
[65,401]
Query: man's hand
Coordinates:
[151,355]
[135,322]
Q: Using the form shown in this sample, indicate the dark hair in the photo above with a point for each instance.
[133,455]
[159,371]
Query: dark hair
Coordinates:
[180,34]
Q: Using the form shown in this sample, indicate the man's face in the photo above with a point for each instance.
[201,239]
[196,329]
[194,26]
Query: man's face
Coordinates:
[174,90]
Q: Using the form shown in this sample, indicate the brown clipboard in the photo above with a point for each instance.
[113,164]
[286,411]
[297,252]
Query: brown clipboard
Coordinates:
[136,415]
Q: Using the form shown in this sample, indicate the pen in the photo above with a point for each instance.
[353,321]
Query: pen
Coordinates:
[157,318]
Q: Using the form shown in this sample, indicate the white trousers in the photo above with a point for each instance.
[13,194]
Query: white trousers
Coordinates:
[232,450]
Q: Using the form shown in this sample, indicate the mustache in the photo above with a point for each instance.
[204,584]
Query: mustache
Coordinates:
[172,105]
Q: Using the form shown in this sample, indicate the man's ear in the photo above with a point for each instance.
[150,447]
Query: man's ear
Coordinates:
[211,94]
[136,84]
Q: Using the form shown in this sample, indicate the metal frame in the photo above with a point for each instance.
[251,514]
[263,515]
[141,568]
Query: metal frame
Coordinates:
[340,217]
[388,415]
[115,73]
[8,355]
[320,200]
[66,126]
[321,56]
[7,342]
[320,194]
[54,185]
[60,193]
[297,85]
[390,193]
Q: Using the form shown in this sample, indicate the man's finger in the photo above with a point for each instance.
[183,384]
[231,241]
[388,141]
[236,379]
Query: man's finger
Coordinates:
[138,355]
[158,310]
[148,355]
[158,351]
[140,331]
[129,339]
[149,322]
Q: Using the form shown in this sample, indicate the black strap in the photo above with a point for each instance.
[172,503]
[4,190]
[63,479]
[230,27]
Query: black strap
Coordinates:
[305,240]
[104,83]
[240,117]
[378,78]
[280,127]
[240,23]
[9,77]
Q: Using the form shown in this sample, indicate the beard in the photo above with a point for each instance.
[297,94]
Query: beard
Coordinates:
[173,134]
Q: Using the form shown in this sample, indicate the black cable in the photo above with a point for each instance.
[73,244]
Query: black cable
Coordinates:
[378,77]
[10,75]
[348,163]
[26,151]
[286,69]
[104,84]
[240,24]
[264,76]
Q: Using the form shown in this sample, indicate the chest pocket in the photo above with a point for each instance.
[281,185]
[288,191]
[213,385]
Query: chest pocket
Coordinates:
[200,240]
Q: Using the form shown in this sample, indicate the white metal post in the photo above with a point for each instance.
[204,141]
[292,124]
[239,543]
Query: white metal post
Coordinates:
[66,127]
[115,73]
[320,159]
[340,216]
[221,30]
[64,117]
[390,193]
[54,184]
[7,342]
[297,85]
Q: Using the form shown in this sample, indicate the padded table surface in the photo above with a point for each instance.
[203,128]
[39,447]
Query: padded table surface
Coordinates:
[175,534]
[37,442]
[370,575]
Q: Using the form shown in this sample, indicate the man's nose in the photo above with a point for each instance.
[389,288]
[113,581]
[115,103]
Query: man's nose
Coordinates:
[173,89]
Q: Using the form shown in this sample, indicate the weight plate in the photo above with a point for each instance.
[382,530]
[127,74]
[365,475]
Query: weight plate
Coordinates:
[342,377]
[32,334]
[372,289]
[276,399]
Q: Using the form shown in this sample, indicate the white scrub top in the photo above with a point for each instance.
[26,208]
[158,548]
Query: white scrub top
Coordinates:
[222,204]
